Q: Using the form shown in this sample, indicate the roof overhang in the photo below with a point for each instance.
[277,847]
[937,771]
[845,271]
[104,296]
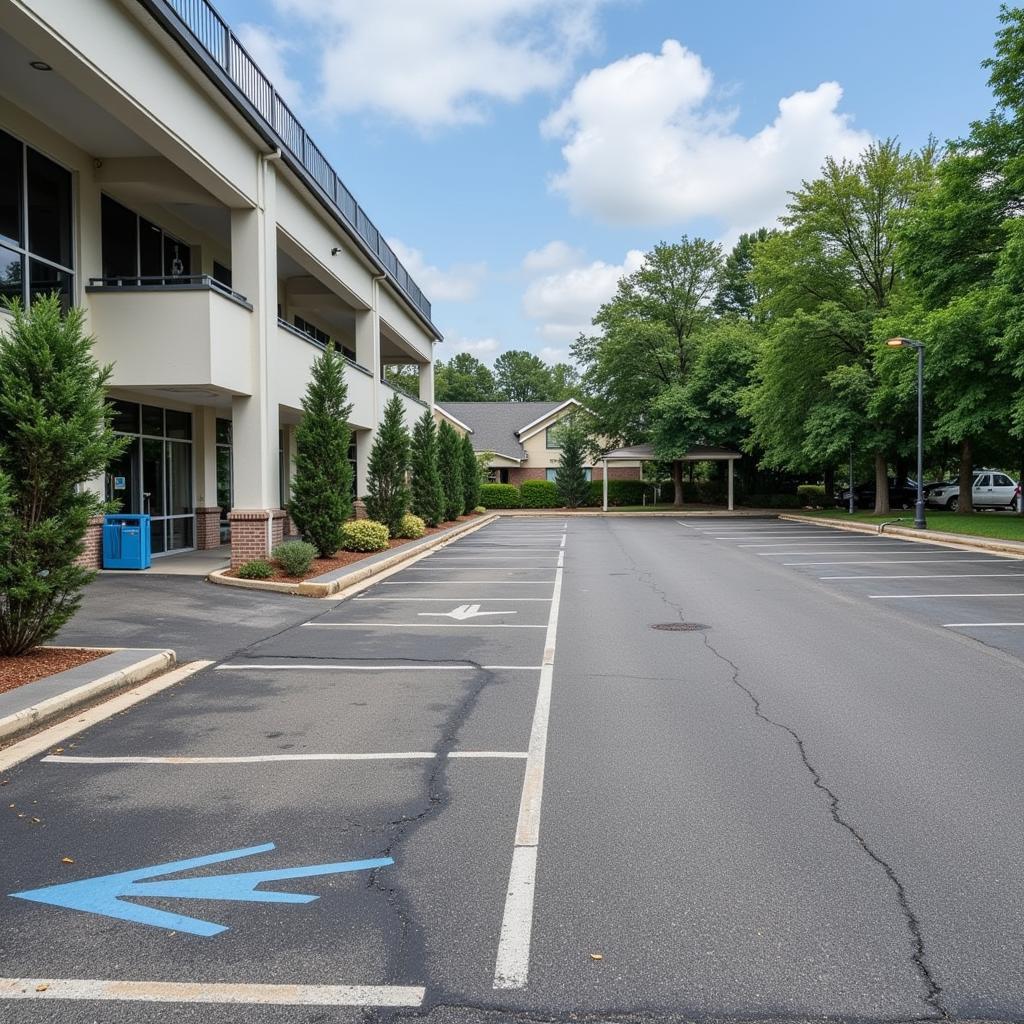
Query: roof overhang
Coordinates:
[527,432]
[452,419]
[696,453]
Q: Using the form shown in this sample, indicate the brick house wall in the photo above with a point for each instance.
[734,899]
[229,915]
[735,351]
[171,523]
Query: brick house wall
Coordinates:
[207,528]
[519,474]
[92,554]
[249,534]
[617,473]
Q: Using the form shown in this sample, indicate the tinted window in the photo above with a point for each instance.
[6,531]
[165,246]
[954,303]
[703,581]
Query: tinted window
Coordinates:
[179,424]
[120,241]
[11,273]
[223,274]
[151,250]
[49,209]
[10,188]
[983,481]
[1002,481]
[177,258]
[126,416]
[44,279]
[153,420]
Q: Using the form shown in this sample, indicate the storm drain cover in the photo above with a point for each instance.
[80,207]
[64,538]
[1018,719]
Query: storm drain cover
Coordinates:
[680,627]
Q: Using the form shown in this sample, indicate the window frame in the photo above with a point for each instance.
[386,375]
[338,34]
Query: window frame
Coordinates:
[21,248]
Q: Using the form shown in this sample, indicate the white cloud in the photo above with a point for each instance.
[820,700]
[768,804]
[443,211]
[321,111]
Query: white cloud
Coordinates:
[271,52]
[459,283]
[564,301]
[442,62]
[552,355]
[555,255]
[642,145]
[483,348]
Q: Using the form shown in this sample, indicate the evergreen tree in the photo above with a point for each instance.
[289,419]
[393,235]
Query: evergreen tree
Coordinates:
[449,448]
[470,475]
[54,435]
[322,487]
[387,497]
[570,479]
[427,493]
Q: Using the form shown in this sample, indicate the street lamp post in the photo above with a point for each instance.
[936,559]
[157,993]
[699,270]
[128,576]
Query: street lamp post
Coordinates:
[919,520]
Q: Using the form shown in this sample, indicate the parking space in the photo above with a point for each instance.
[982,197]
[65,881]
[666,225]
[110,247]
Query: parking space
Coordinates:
[352,759]
[979,595]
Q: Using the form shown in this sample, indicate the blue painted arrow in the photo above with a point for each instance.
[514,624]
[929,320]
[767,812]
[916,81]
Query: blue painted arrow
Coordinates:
[104,894]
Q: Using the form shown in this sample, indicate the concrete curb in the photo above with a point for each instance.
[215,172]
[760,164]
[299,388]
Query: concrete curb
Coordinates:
[949,540]
[311,588]
[60,704]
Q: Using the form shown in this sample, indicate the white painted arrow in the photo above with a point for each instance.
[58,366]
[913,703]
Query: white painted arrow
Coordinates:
[463,611]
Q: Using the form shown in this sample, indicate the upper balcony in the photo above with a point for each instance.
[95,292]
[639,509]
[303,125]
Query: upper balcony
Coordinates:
[187,331]
[208,39]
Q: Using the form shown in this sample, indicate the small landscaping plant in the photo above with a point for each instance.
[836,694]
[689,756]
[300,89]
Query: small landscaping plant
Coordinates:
[257,569]
[500,496]
[539,494]
[411,527]
[479,510]
[294,556]
[364,535]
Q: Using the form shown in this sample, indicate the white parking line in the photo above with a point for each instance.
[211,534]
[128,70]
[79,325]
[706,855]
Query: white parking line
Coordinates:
[512,965]
[321,667]
[414,755]
[976,625]
[908,597]
[417,625]
[450,599]
[420,583]
[856,551]
[210,992]
[934,576]
[906,561]
[487,568]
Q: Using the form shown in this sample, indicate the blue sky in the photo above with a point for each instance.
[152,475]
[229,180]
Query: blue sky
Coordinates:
[524,153]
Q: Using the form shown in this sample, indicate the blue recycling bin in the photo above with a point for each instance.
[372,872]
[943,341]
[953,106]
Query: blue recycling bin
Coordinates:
[126,542]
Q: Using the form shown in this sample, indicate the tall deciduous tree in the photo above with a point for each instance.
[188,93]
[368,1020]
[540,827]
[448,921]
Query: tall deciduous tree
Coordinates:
[449,449]
[322,487]
[647,338]
[54,435]
[427,499]
[521,376]
[387,492]
[471,479]
[739,295]
[464,379]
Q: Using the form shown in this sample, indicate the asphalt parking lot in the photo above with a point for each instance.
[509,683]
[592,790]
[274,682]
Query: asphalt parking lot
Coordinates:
[971,593]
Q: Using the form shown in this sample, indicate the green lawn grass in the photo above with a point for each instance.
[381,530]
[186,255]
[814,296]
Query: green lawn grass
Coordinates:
[1001,525]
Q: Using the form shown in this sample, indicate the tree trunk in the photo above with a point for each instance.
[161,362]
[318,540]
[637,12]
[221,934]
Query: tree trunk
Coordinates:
[881,484]
[966,496]
[677,484]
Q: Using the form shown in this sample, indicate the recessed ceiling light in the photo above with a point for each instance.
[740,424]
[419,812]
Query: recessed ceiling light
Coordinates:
[40,65]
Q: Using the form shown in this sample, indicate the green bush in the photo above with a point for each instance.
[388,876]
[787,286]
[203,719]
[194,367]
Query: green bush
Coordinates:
[364,535]
[294,556]
[812,494]
[411,527]
[500,496]
[622,492]
[257,569]
[479,510]
[539,494]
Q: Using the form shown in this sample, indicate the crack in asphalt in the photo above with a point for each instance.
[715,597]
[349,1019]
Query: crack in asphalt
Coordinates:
[932,989]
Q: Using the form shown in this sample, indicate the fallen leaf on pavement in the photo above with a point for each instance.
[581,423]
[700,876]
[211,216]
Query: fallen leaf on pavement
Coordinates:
[66,860]
[596,956]
[42,988]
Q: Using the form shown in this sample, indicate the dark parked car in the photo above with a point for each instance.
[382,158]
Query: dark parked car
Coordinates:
[902,494]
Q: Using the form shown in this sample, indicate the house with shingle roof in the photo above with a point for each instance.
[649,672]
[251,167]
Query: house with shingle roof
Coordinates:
[522,438]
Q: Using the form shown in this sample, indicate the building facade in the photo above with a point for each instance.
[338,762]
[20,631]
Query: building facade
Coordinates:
[150,173]
[522,438]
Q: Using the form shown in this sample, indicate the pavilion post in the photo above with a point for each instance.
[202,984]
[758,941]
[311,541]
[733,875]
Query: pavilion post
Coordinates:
[731,463]
[604,485]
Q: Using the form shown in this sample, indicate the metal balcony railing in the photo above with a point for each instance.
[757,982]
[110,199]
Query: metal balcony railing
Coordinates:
[169,282]
[215,37]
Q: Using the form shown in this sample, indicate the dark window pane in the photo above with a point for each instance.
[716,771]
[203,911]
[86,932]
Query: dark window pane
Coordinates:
[224,480]
[44,279]
[126,416]
[156,534]
[49,209]
[153,420]
[179,478]
[122,480]
[177,258]
[120,240]
[11,274]
[179,424]
[10,188]
[151,250]
[222,274]
[181,533]
[153,477]
[223,431]
[348,353]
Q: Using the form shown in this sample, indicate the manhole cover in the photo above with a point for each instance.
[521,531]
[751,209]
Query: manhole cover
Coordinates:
[680,627]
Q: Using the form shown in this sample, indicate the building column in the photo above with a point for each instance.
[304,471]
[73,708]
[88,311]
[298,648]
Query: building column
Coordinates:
[257,523]
[204,450]
[730,484]
[426,392]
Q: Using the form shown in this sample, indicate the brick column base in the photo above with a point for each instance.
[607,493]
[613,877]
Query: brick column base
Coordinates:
[92,554]
[249,533]
[359,509]
[207,528]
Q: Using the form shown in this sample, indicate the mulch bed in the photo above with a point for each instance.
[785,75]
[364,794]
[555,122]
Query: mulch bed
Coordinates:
[344,558]
[41,662]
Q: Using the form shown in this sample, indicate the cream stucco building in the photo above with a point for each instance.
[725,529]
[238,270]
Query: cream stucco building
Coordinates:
[150,173]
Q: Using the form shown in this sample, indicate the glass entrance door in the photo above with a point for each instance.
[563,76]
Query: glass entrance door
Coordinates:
[154,473]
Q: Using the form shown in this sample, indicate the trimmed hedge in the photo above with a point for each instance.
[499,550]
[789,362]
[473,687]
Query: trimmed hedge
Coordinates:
[539,494]
[364,535]
[812,494]
[499,496]
[294,556]
[621,492]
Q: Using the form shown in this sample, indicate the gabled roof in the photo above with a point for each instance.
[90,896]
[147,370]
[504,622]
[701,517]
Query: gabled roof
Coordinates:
[497,426]
[695,453]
